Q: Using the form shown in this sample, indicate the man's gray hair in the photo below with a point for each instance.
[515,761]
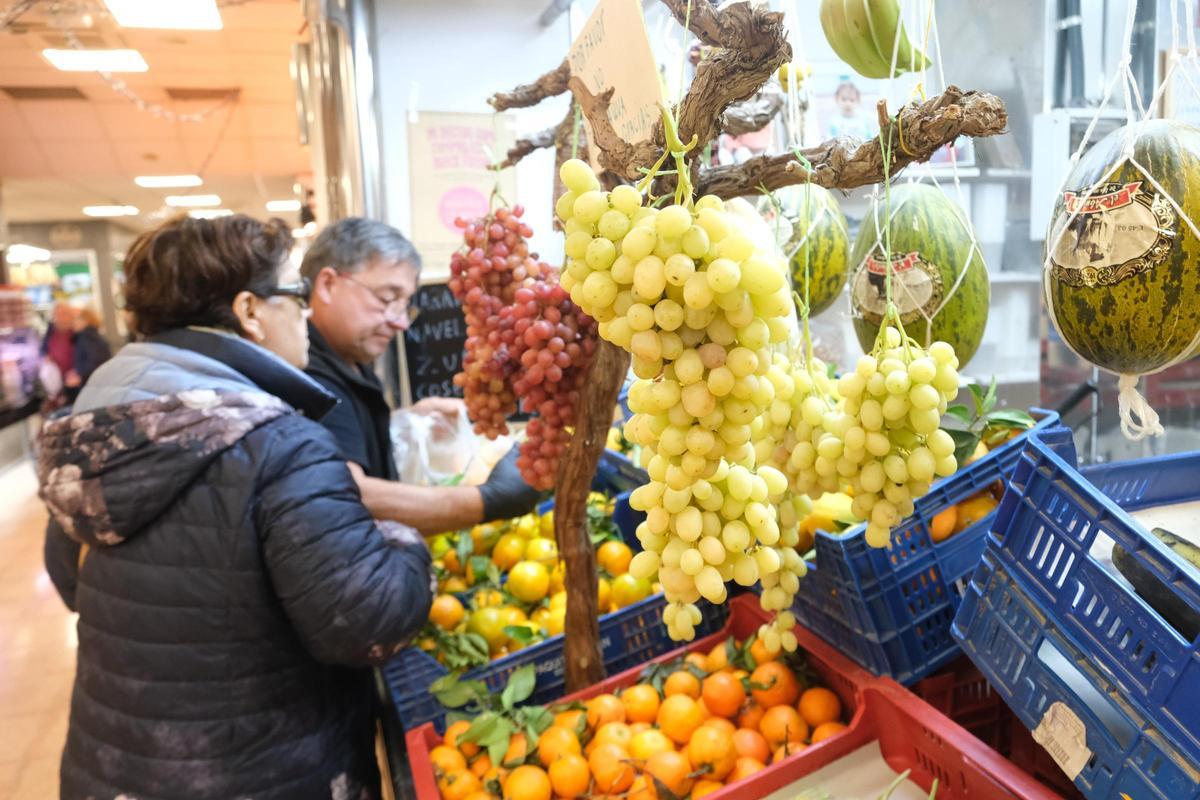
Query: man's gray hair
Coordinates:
[350,244]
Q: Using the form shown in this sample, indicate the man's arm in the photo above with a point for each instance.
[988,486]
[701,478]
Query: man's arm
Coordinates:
[429,509]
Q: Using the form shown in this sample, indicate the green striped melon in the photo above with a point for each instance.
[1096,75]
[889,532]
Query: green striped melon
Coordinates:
[1123,268]
[938,272]
[821,242]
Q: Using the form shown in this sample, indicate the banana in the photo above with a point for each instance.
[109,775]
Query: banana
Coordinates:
[834,25]
[883,19]
[869,61]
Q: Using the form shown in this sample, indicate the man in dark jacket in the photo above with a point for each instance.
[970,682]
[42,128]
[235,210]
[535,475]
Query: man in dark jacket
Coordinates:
[231,585]
[364,276]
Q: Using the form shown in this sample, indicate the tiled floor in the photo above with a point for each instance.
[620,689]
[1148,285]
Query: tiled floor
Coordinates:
[37,648]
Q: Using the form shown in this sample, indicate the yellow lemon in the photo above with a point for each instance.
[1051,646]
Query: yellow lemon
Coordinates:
[529,581]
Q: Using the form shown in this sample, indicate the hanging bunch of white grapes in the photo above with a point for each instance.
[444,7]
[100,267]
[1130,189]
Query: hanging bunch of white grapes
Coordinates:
[701,306]
[886,437]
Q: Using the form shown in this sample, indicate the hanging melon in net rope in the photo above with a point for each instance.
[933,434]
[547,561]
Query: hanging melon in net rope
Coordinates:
[820,243]
[1121,275]
[940,281]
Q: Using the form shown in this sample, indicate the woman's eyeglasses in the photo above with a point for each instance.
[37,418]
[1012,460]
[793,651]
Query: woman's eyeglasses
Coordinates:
[300,291]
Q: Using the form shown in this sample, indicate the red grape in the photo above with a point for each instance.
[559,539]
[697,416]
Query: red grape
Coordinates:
[526,340]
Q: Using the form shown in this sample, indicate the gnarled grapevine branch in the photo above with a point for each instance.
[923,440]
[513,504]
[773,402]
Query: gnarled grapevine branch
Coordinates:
[753,46]
[846,163]
[753,114]
[529,144]
[551,84]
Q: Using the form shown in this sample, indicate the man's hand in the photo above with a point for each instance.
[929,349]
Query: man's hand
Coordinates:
[445,408]
[71,379]
[505,493]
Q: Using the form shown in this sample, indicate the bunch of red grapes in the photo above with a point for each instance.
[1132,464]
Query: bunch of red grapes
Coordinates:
[526,340]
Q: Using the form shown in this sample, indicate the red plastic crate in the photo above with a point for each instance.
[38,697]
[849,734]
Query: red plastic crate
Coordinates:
[962,693]
[912,735]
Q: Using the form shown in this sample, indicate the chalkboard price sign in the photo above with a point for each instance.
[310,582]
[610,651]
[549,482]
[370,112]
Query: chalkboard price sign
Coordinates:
[433,346]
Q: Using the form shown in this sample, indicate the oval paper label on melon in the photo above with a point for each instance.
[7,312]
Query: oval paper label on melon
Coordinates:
[1119,231]
[916,287]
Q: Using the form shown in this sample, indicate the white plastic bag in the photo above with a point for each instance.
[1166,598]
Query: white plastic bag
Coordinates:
[51,378]
[428,449]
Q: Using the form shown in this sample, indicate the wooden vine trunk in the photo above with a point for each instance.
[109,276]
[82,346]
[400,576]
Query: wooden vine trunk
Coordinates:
[750,44]
[583,660]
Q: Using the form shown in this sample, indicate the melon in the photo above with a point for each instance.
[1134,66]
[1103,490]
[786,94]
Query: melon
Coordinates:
[1122,266]
[820,241]
[939,279]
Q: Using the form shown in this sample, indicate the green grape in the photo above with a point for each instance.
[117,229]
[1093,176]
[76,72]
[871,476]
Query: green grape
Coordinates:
[625,199]
[694,241]
[697,293]
[668,315]
[667,247]
[723,275]
[577,176]
[672,221]
[599,289]
[591,205]
[678,269]
[564,207]
[638,243]
[759,276]
[649,279]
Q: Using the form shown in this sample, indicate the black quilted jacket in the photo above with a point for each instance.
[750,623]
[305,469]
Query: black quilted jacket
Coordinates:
[233,589]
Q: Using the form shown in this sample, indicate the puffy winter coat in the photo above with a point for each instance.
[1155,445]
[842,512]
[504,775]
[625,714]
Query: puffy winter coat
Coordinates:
[233,590]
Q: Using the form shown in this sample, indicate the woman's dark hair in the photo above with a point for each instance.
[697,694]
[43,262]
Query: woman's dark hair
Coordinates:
[188,271]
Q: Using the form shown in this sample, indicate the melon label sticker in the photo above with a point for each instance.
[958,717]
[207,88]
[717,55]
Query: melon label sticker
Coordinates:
[916,287]
[1119,230]
[1064,736]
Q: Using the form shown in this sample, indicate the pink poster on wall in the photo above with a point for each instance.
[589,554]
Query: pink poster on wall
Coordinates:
[449,178]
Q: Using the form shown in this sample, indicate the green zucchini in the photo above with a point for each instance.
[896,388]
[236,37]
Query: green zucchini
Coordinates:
[1154,591]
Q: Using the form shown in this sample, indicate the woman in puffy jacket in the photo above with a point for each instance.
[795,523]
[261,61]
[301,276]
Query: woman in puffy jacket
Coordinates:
[232,589]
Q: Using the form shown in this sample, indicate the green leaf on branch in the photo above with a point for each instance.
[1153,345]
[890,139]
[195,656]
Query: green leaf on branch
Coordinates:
[534,720]
[960,413]
[519,633]
[464,547]
[481,567]
[481,729]
[965,443]
[453,693]
[497,743]
[520,685]
[1010,418]
[977,394]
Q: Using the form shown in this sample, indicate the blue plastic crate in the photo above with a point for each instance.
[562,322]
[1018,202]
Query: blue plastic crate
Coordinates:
[628,637]
[890,608]
[1048,623]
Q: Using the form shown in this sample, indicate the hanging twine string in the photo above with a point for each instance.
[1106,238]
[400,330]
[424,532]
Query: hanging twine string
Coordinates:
[575,132]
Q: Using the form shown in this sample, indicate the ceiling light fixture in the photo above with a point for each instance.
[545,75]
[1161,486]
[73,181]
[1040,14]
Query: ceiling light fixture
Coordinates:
[194,15]
[96,60]
[110,211]
[210,213]
[25,254]
[279,206]
[193,200]
[167,181]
